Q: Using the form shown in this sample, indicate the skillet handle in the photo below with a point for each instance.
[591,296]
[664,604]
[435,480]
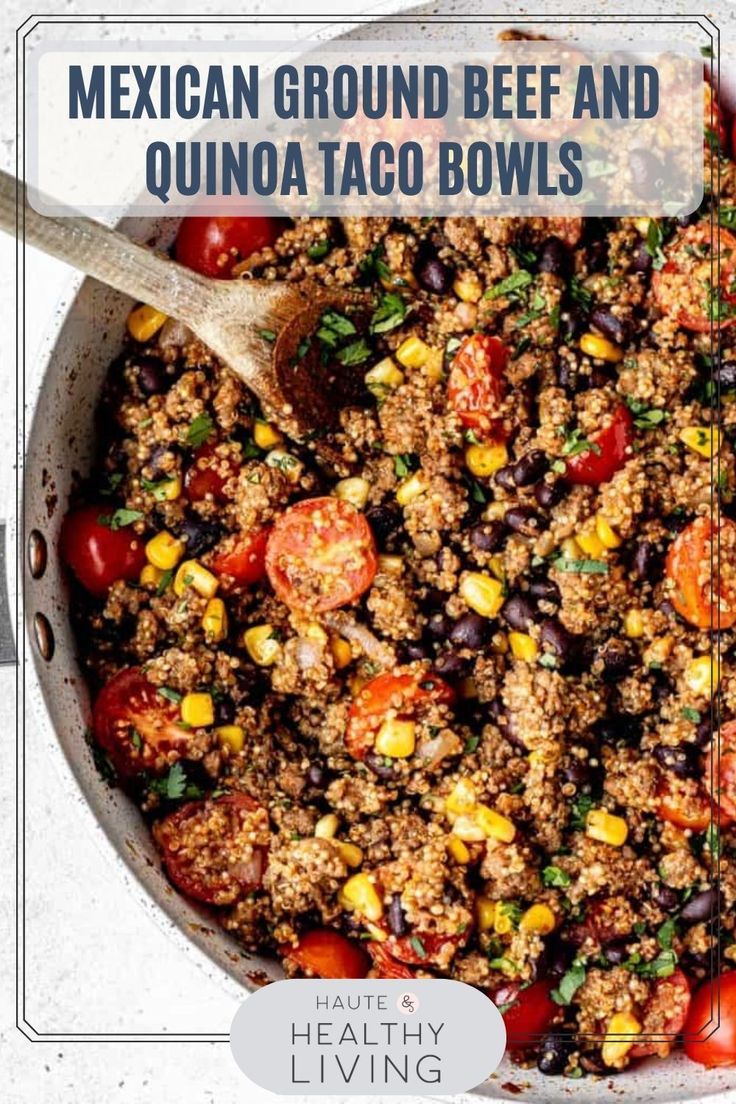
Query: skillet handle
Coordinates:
[107,255]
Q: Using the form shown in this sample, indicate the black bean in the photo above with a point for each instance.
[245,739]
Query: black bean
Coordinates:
[596,255]
[619,728]
[610,325]
[562,642]
[704,731]
[554,1052]
[200,535]
[488,536]
[379,765]
[414,649]
[529,468]
[433,275]
[554,257]
[641,259]
[681,760]
[647,172]
[385,521]
[224,711]
[645,561]
[158,463]
[561,955]
[153,378]
[617,660]
[471,631]
[662,685]
[572,324]
[544,590]
[450,665]
[725,375]
[666,897]
[518,612]
[615,953]
[676,521]
[701,907]
[316,775]
[524,520]
[578,772]
[505,478]
[439,625]
[549,494]
[395,915]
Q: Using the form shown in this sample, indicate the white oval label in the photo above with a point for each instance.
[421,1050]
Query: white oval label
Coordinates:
[373,1036]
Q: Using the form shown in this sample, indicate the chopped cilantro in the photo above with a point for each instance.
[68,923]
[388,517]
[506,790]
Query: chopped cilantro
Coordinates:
[654,240]
[267,335]
[471,744]
[570,982]
[727,217]
[405,463]
[389,314]
[319,249]
[355,353]
[580,808]
[119,519]
[169,694]
[581,567]
[580,294]
[174,785]
[706,51]
[418,946]
[712,840]
[554,876]
[373,264]
[689,714]
[200,430]
[135,739]
[660,967]
[645,417]
[164,581]
[513,284]
[575,443]
[666,932]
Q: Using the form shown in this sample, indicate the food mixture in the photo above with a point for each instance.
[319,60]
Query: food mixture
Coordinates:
[446,708]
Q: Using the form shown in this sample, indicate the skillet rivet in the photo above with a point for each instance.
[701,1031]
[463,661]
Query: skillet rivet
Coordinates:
[44,636]
[37,554]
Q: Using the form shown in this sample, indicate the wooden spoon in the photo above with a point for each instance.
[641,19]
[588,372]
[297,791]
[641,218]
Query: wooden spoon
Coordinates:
[302,395]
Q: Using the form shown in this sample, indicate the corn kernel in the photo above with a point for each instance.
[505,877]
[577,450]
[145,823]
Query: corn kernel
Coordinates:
[214,621]
[494,825]
[468,830]
[495,566]
[702,676]
[614,1049]
[285,462]
[377,933]
[642,225]
[261,645]
[412,352]
[411,488]
[523,646]
[190,573]
[482,593]
[144,322]
[462,799]
[265,435]
[231,736]
[590,543]
[539,919]
[168,490]
[350,854]
[634,623]
[600,348]
[342,653]
[326,827]
[353,490]
[392,565]
[396,739]
[434,366]
[483,460]
[467,287]
[458,850]
[502,919]
[485,913]
[150,575]
[164,551]
[197,710]
[659,650]
[360,894]
[383,377]
[705,440]
[606,828]
[570,549]
[605,532]
[315,632]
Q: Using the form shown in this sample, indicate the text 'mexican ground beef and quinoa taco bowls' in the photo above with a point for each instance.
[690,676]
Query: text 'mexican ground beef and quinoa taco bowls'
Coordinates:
[444,706]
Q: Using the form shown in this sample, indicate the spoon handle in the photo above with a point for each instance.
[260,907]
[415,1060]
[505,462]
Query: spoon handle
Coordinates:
[108,256]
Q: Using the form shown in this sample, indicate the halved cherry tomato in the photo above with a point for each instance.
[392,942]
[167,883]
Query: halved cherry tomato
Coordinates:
[98,554]
[384,963]
[328,954]
[137,726]
[720,773]
[404,693]
[321,554]
[242,558]
[476,386]
[424,948]
[713,1003]
[683,287]
[527,1013]
[692,567]
[685,806]
[611,449]
[213,245]
[215,850]
[665,1013]
[207,475]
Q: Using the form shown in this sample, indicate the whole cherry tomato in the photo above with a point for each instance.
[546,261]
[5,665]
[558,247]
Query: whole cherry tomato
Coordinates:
[136,725]
[713,1003]
[609,451]
[97,552]
[692,569]
[328,954]
[527,1013]
[242,558]
[215,850]
[405,693]
[476,386]
[213,245]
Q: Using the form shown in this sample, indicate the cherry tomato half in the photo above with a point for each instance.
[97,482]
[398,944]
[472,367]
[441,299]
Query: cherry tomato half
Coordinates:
[384,964]
[242,558]
[215,850]
[213,245]
[526,1012]
[476,386]
[97,554]
[685,805]
[692,568]
[328,954]
[611,449]
[720,770]
[665,1013]
[321,554]
[424,948]
[715,1001]
[683,288]
[404,693]
[136,725]
[208,473]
